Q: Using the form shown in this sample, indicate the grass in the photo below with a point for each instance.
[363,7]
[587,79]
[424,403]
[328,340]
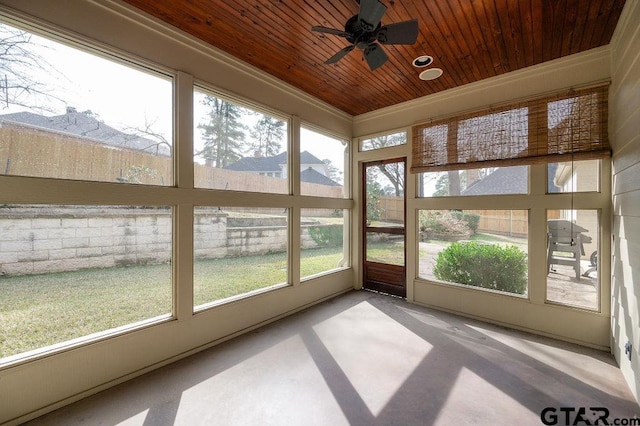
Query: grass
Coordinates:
[502,240]
[41,310]
[385,252]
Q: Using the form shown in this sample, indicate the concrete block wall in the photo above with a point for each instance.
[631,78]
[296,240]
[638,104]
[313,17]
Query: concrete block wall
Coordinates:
[37,240]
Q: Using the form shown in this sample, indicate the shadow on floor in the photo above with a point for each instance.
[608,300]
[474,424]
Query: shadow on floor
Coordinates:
[366,359]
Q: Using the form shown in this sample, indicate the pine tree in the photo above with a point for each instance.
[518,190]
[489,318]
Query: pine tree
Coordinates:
[224,134]
[267,135]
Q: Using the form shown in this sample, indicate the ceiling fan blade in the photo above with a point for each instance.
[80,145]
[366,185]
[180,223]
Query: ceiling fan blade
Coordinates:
[371,12]
[401,33]
[375,56]
[335,58]
[326,30]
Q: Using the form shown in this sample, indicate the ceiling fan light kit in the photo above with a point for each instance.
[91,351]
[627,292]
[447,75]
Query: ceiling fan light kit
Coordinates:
[366,33]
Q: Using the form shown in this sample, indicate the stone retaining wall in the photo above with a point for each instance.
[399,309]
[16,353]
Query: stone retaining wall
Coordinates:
[35,240]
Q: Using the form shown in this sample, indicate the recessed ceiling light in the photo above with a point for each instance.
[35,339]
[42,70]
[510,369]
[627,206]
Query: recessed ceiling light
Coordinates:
[430,74]
[422,61]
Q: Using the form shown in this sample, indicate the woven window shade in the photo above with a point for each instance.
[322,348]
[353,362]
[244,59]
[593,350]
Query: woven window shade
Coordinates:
[565,126]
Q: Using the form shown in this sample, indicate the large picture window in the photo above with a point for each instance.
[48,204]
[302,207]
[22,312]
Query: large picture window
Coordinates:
[237,148]
[70,114]
[238,252]
[478,248]
[68,273]
[87,245]
[572,258]
[498,151]
[322,241]
[322,161]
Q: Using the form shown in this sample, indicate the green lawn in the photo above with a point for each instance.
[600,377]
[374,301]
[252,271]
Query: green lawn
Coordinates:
[41,310]
[385,252]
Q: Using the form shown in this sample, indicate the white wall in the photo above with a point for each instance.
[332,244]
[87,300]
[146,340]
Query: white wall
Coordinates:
[624,129]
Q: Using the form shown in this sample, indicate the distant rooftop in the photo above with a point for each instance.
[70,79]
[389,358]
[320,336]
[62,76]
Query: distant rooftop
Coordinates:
[85,124]
[508,180]
[313,176]
[270,164]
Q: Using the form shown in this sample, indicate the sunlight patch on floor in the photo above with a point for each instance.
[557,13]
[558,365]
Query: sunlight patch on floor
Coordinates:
[365,333]
[272,387]
[472,392]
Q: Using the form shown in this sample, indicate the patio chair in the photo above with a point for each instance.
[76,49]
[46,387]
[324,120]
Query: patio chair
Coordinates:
[565,245]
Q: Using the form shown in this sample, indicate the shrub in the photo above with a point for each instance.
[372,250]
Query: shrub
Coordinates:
[325,236]
[471,219]
[442,222]
[483,265]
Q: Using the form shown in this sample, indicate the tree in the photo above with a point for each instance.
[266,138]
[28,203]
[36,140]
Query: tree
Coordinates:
[387,140]
[334,173]
[19,66]
[393,171]
[224,133]
[442,186]
[156,143]
[374,192]
[448,184]
[267,134]
[454,182]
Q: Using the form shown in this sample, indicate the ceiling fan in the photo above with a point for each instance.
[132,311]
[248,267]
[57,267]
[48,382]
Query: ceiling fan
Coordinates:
[365,32]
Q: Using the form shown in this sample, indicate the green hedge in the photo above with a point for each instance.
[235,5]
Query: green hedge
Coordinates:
[483,265]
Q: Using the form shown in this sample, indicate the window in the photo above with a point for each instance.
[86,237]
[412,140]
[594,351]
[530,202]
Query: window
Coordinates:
[238,252]
[384,141]
[322,160]
[237,148]
[574,176]
[486,181]
[572,258]
[110,124]
[322,241]
[71,272]
[480,248]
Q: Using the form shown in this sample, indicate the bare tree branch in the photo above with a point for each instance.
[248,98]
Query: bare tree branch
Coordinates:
[19,67]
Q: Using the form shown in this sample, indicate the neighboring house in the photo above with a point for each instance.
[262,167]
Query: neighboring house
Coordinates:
[86,125]
[312,169]
[311,175]
[509,180]
[263,166]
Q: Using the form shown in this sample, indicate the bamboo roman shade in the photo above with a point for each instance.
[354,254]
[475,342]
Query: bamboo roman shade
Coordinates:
[566,126]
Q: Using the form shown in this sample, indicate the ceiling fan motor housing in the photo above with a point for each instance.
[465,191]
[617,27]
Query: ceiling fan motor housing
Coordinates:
[358,35]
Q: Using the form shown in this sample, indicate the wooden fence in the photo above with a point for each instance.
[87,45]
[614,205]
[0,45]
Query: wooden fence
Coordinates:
[503,222]
[29,151]
[514,223]
[26,151]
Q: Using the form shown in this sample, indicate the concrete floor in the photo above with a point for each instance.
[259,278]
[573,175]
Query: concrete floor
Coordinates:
[367,359]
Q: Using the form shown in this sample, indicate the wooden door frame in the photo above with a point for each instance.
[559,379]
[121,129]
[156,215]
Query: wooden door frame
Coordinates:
[385,272]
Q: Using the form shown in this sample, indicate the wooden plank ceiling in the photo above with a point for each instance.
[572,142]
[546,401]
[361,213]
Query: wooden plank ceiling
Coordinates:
[470,40]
